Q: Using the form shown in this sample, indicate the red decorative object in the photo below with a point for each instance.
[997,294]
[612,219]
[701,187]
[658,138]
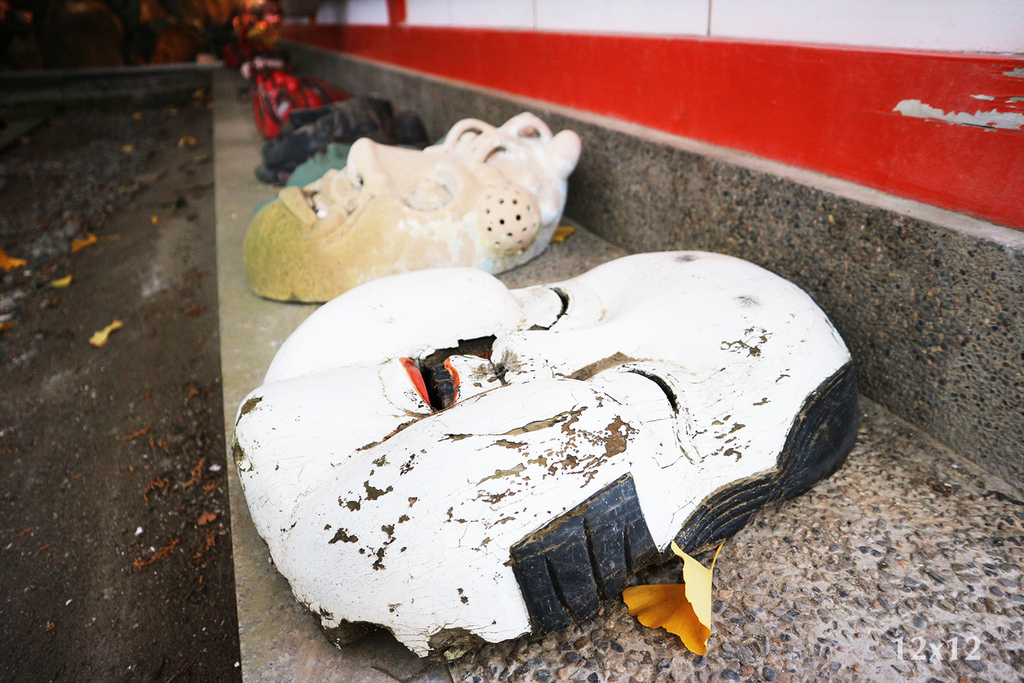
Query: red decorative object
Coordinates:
[276,95]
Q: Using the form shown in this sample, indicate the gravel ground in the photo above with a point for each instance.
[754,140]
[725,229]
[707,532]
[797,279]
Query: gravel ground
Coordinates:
[906,542]
[115,556]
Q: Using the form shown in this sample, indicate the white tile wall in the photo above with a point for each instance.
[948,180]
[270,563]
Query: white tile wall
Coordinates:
[366,11]
[513,14]
[374,12]
[510,14]
[970,25]
[687,17]
[331,12]
[428,13]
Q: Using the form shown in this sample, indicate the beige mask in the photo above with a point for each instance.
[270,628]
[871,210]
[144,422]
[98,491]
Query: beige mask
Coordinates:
[485,197]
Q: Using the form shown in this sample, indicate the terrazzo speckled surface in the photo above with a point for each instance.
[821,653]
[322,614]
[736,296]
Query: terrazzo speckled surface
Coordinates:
[930,302]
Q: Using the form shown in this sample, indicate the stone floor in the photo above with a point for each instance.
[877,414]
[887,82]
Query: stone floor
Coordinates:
[873,575]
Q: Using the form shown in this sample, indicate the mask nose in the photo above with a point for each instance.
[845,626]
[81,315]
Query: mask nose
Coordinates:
[509,217]
[364,164]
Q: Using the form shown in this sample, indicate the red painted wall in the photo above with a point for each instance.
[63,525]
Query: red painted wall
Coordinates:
[824,108]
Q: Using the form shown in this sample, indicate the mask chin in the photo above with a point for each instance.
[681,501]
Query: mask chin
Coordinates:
[277,252]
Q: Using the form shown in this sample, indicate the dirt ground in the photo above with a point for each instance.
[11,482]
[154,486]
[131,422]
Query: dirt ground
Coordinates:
[115,553]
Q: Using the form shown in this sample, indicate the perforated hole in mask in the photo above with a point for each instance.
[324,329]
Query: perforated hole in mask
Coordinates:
[509,218]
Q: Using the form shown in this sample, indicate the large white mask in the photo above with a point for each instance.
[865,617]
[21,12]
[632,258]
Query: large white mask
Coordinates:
[455,461]
[485,197]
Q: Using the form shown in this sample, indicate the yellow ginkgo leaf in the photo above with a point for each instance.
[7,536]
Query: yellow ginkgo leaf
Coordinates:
[9,262]
[61,282]
[683,609]
[80,244]
[99,338]
[187,141]
[562,233]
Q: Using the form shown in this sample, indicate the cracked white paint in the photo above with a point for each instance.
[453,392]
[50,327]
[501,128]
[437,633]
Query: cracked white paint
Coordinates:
[378,509]
[1003,120]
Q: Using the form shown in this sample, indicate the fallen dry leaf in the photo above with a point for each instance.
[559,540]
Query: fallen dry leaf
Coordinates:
[208,542]
[562,233]
[99,338]
[196,472]
[4,326]
[154,219]
[206,518]
[683,609]
[61,282]
[137,116]
[10,263]
[160,482]
[135,435]
[80,244]
[158,555]
[127,149]
[187,141]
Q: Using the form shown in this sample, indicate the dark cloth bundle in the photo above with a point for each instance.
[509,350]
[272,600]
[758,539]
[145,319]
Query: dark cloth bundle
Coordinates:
[309,132]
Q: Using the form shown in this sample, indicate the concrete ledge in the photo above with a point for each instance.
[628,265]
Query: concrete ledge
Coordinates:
[930,301]
[28,94]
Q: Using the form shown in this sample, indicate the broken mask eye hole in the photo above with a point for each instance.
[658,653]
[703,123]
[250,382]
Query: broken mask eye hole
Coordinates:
[662,384]
[435,378]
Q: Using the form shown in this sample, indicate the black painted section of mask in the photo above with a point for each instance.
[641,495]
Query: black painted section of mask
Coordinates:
[308,132]
[567,567]
[480,346]
[440,387]
[821,437]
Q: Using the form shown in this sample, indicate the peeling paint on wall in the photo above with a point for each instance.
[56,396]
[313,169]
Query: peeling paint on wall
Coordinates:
[982,119]
[1015,73]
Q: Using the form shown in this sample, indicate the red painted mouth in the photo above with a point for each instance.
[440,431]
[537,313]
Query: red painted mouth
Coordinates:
[438,387]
